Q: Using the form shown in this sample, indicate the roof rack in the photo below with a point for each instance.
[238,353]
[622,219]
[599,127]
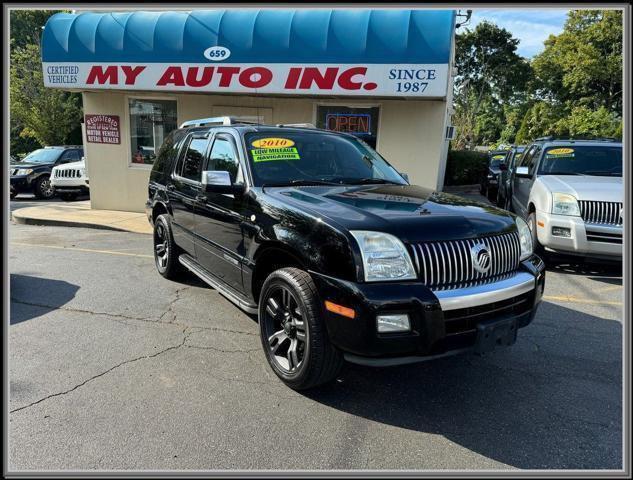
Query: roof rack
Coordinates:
[296,125]
[572,139]
[64,146]
[221,121]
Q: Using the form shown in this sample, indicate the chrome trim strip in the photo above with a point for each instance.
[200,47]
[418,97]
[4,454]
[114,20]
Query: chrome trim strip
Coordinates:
[453,299]
[188,262]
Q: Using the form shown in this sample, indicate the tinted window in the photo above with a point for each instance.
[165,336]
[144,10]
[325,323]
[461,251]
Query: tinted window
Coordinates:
[582,160]
[71,156]
[193,159]
[223,157]
[287,157]
[168,150]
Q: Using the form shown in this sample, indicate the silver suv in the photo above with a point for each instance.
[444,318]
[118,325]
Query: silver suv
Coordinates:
[571,194]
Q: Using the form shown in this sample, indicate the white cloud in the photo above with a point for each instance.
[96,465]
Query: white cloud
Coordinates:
[531,26]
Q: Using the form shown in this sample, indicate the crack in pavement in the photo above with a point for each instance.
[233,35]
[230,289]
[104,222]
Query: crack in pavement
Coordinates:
[114,316]
[170,307]
[94,377]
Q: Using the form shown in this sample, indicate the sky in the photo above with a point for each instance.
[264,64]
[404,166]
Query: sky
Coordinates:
[530,26]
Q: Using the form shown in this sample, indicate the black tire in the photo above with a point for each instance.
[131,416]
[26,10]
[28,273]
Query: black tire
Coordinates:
[13,195]
[316,361]
[538,248]
[166,252]
[43,188]
[68,197]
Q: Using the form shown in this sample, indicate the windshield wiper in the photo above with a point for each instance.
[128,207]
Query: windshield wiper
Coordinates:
[602,173]
[368,181]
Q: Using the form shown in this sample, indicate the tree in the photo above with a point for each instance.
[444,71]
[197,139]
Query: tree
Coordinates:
[583,65]
[489,71]
[48,115]
[39,115]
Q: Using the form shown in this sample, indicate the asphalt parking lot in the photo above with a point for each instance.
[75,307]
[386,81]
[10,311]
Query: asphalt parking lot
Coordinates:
[114,367]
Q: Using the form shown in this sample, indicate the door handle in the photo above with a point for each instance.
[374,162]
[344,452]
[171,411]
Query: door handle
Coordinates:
[171,187]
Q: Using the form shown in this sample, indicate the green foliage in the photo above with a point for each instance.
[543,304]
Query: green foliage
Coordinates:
[465,167]
[489,74]
[39,115]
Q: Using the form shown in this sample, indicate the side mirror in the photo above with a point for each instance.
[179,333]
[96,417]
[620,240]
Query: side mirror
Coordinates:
[219,181]
[522,172]
[405,176]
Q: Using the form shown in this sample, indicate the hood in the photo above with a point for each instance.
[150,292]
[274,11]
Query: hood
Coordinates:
[586,187]
[410,212]
[30,165]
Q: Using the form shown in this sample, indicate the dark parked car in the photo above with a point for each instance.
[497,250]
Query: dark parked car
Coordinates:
[490,178]
[33,173]
[504,190]
[338,255]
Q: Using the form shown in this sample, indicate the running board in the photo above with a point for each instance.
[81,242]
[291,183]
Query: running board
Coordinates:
[224,290]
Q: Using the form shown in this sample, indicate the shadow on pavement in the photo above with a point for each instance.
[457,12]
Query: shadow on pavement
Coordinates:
[553,400]
[32,297]
[595,268]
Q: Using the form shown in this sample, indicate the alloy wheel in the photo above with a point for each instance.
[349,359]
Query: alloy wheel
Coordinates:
[286,329]
[161,246]
[46,188]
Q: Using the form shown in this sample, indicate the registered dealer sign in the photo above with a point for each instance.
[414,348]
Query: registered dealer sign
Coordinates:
[103,129]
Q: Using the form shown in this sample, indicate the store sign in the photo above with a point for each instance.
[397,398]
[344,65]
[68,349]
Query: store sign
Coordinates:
[359,123]
[349,80]
[103,129]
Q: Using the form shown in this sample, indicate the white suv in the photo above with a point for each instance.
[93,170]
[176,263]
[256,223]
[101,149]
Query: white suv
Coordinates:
[70,180]
[571,194]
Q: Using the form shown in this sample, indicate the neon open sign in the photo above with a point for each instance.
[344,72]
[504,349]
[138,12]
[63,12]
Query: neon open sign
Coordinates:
[359,123]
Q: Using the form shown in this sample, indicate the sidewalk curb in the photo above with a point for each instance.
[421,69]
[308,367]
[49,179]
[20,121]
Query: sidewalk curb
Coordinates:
[23,220]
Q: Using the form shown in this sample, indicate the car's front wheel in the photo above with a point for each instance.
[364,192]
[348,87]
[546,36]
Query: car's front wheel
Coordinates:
[531,221]
[293,333]
[166,251]
[43,188]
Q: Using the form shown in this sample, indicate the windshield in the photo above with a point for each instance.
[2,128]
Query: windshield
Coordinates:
[43,155]
[314,158]
[583,160]
[497,159]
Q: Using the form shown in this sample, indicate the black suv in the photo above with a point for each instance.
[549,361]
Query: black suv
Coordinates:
[490,178]
[33,173]
[338,255]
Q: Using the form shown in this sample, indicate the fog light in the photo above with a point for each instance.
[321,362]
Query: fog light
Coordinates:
[561,232]
[395,322]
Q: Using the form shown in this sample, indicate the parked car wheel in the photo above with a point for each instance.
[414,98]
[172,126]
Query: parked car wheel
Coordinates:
[69,197]
[531,221]
[13,195]
[293,333]
[43,188]
[166,251]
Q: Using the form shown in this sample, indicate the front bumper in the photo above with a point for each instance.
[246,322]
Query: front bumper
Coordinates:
[442,322]
[586,239]
[21,183]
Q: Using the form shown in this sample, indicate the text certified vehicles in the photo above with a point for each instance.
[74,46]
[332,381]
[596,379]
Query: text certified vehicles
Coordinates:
[571,194]
[337,254]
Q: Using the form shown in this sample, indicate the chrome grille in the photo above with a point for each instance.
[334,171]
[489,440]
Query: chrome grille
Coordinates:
[442,265]
[601,212]
[67,173]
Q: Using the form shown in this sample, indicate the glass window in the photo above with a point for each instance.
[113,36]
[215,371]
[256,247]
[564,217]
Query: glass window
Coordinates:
[150,123]
[603,161]
[223,157]
[70,156]
[43,155]
[359,121]
[316,157]
[193,159]
[534,160]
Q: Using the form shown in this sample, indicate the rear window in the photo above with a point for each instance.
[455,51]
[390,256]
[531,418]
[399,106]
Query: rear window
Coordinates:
[168,150]
[596,160]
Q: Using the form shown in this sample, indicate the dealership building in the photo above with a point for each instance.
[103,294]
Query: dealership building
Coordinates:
[384,75]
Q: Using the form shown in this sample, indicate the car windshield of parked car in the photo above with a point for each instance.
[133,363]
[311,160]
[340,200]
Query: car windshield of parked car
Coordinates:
[497,159]
[43,155]
[582,160]
[314,158]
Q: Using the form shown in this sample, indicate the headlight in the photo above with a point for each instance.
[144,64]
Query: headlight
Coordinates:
[565,204]
[525,238]
[24,171]
[384,257]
